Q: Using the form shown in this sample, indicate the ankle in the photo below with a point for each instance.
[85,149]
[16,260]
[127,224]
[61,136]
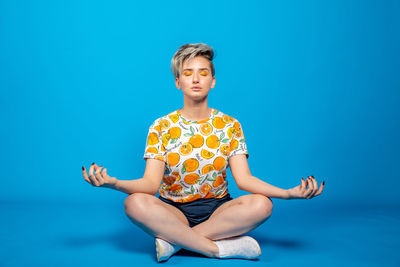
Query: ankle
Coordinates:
[214,253]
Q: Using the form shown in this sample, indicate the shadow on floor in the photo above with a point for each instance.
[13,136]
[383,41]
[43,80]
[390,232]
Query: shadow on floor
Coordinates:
[136,241]
[131,240]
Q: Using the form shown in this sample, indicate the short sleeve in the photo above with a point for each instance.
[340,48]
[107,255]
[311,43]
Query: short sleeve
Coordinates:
[154,146]
[238,144]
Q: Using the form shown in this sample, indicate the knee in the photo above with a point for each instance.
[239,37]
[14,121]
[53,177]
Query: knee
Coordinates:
[136,205]
[262,205]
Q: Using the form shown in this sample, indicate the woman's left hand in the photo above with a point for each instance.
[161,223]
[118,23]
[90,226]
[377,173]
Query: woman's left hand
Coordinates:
[301,190]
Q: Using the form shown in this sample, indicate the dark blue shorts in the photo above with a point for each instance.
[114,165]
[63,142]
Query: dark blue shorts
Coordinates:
[199,210]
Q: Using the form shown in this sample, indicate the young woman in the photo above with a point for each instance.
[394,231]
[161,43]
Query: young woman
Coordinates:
[187,154]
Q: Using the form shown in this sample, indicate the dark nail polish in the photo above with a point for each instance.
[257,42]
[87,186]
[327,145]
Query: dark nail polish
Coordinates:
[323,183]
[93,163]
[83,168]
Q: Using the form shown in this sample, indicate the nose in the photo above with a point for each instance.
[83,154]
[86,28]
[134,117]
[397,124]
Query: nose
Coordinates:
[195,77]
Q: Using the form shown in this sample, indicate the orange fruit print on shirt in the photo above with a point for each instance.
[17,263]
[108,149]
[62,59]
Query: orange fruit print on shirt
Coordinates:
[218,123]
[196,153]
[196,140]
[218,181]
[191,178]
[206,129]
[186,149]
[205,188]
[212,141]
[152,139]
[191,164]
[219,163]
[173,159]
[206,154]
[174,132]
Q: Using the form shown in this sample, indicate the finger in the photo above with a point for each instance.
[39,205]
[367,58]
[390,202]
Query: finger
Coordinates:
[91,169]
[303,184]
[104,172]
[92,177]
[313,185]
[93,180]
[85,176]
[320,189]
[304,189]
[98,175]
[310,188]
[96,168]
[98,171]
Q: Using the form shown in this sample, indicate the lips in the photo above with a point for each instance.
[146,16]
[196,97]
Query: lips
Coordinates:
[196,88]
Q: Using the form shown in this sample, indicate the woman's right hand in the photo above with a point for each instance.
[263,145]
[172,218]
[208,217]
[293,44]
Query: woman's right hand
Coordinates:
[97,177]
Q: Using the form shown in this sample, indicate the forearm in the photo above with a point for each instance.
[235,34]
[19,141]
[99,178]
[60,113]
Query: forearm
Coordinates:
[256,186]
[135,186]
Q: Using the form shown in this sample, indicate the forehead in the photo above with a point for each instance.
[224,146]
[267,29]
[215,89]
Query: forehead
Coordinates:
[196,62]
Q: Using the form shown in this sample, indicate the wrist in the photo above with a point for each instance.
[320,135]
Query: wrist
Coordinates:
[113,184]
[288,194]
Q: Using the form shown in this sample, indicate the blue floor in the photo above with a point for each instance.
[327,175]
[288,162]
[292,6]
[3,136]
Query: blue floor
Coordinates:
[299,233]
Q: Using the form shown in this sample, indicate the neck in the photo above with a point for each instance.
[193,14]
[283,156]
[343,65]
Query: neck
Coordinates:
[195,111]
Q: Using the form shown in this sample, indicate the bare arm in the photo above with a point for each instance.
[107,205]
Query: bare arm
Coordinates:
[254,185]
[149,184]
[245,181]
[140,185]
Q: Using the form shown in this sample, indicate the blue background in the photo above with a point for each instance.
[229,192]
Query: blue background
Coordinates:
[315,85]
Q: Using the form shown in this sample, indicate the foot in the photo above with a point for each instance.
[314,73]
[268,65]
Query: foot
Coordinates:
[243,247]
[165,249]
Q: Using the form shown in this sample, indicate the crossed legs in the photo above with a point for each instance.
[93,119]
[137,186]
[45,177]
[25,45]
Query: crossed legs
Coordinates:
[233,218]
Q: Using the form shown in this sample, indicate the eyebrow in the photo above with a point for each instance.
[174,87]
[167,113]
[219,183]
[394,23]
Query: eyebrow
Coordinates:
[207,69]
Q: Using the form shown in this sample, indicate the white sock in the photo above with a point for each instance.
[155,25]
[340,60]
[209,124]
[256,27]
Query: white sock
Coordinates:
[244,247]
[165,249]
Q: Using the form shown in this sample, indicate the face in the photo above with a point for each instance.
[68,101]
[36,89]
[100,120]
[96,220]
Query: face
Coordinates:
[195,79]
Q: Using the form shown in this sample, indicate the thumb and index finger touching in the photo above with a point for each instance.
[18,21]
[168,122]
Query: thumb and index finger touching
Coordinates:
[91,177]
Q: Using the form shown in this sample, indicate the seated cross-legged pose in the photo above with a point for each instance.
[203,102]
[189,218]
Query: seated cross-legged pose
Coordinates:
[187,154]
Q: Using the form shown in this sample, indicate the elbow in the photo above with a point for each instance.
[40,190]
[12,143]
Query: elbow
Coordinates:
[241,186]
[243,182]
[149,186]
[153,191]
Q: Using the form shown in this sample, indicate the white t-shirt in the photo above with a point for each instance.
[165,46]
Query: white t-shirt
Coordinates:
[196,154]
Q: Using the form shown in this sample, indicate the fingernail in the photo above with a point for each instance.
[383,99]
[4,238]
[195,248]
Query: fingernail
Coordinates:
[323,183]
[302,179]
[83,168]
[93,163]
[312,176]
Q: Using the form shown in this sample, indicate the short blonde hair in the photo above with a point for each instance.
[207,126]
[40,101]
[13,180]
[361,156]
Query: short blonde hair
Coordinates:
[189,51]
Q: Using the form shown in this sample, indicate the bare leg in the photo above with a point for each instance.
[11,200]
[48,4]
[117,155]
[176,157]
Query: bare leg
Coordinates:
[236,217]
[162,220]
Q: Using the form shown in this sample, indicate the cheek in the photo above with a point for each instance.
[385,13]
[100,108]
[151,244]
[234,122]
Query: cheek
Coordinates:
[206,81]
[185,83]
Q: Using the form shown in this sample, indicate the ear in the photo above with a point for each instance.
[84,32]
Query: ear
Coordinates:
[212,83]
[177,83]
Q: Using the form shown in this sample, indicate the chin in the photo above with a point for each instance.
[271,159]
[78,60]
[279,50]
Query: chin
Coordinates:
[197,97]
